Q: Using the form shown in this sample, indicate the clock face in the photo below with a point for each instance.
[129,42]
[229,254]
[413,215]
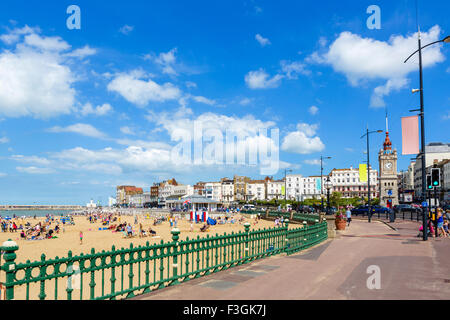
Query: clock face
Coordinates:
[388,165]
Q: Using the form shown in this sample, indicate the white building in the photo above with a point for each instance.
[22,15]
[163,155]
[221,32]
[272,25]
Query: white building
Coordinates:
[347,182]
[434,152]
[274,189]
[227,190]
[91,205]
[138,200]
[111,201]
[446,181]
[294,187]
[213,190]
[256,190]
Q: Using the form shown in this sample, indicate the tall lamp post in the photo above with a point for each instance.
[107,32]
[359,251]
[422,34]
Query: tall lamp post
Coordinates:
[285,185]
[321,179]
[369,214]
[328,185]
[422,128]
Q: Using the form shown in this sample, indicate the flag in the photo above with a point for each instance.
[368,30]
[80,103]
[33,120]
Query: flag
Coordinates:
[363,173]
[410,135]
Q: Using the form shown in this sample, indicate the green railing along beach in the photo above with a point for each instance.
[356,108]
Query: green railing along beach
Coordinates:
[127,272]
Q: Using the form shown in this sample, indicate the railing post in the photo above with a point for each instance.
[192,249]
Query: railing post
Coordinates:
[247,232]
[9,247]
[287,235]
[175,236]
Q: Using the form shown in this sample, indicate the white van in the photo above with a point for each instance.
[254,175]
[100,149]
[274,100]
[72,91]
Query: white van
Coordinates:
[248,207]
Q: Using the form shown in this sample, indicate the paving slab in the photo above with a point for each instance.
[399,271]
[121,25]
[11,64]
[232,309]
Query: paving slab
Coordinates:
[336,269]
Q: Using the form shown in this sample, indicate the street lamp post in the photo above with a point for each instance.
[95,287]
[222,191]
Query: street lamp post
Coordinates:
[321,180]
[328,186]
[369,214]
[422,128]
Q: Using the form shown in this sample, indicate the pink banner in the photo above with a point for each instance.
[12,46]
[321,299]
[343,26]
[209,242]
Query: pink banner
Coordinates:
[410,135]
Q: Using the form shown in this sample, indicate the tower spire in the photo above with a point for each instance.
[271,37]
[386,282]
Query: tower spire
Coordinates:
[387,145]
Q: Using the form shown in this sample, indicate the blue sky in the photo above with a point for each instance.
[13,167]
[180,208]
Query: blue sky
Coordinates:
[82,111]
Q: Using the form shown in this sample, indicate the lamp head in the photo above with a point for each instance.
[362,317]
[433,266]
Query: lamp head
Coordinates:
[446,39]
[415,90]
[380,131]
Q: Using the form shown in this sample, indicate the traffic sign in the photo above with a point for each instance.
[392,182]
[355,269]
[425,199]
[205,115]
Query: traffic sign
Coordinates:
[424,204]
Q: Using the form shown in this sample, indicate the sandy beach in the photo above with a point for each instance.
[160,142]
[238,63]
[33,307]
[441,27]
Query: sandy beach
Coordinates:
[68,239]
[105,239]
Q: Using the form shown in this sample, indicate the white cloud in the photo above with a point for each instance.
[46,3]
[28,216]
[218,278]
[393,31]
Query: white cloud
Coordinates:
[323,41]
[127,130]
[262,41]
[31,159]
[126,29]
[2,174]
[46,43]
[166,60]
[35,77]
[191,84]
[14,35]
[313,162]
[245,101]
[381,91]
[313,110]
[82,52]
[204,100]
[80,128]
[303,141]
[99,110]
[259,79]
[34,170]
[292,69]
[4,140]
[140,92]
[361,59]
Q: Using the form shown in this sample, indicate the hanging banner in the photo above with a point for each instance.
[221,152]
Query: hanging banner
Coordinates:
[363,173]
[283,190]
[318,184]
[410,135]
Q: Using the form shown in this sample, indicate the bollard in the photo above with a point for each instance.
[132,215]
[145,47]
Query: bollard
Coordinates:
[9,247]
[175,236]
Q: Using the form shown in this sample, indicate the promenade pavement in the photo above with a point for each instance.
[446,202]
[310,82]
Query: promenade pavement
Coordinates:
[336,269]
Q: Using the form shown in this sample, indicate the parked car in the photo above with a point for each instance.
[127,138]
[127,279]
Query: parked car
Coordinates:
[364,210]
[406,208]
[305,209]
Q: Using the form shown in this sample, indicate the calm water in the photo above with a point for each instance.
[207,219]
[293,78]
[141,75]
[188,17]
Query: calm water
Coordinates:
[31,213]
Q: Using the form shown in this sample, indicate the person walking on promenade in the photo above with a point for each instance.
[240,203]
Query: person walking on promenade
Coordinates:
[349,216]
[440,223]
[81,237]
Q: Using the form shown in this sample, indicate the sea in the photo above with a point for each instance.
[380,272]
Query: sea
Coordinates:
[32,213]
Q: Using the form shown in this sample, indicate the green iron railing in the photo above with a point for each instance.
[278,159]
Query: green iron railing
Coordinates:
[310,218]
[125,273]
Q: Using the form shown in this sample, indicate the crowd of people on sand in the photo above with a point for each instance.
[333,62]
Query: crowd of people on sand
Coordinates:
[48,229]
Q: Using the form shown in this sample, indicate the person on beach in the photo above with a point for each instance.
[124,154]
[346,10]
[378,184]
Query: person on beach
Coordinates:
[192,226]
[81,237]
[349,216]
[129,231]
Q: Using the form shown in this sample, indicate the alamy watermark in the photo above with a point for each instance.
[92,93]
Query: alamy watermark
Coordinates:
[374,280]
[74,20]
[209,146]
[374,20]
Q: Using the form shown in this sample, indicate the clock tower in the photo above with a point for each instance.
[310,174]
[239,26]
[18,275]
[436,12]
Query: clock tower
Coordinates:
[387,159]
